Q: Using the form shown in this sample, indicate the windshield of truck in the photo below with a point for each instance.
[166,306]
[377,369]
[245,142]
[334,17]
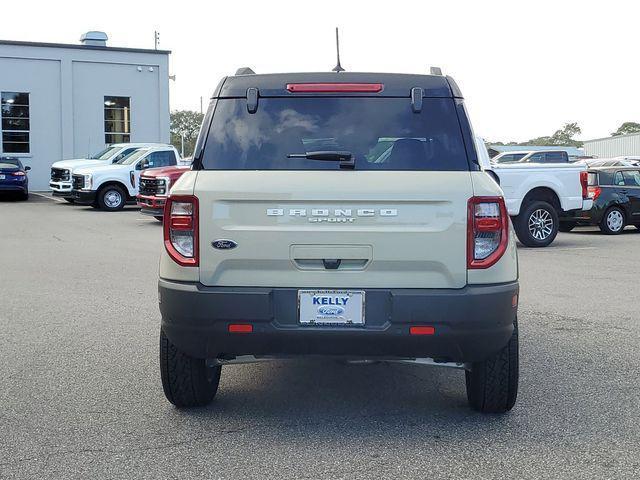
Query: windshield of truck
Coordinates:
[381,134]
[132,157]
[106,153]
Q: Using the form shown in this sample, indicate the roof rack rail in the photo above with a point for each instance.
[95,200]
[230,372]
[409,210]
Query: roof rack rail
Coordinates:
[245,71]
[435,71]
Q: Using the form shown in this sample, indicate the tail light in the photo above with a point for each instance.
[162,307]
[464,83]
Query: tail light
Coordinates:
[132,179]
[593,192]
[487,231]
[19,174]
[181,229]
[584,182]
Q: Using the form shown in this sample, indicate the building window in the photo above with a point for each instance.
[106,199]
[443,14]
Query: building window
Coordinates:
[117,120]
[15,122]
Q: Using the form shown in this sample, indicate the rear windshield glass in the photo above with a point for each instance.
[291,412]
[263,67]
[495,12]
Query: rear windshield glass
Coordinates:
[380,133]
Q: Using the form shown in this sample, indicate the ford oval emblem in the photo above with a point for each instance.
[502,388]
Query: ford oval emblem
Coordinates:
[224,244]
[332,311]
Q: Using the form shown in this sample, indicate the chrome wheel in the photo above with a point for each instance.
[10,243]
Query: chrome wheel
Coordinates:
[615,220]
[540,224]
[112,198]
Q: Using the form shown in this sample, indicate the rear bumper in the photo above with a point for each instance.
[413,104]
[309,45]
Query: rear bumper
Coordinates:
[14,187]
[80,196]
[470,323]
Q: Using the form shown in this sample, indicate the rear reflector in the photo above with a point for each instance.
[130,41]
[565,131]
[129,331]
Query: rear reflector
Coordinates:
[240,328]
[422,330]
[334,87]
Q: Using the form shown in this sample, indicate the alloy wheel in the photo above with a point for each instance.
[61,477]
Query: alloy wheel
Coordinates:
[540,224]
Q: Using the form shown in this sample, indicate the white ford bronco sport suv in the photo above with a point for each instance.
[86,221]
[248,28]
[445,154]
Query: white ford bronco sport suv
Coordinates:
[341,215]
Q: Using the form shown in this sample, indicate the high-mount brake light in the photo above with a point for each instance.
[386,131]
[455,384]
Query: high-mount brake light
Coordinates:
[487,231]
[335,87]
[180,228]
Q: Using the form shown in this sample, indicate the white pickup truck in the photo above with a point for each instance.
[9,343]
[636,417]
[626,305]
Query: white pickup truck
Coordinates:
[110,187]
[538,195]
[62,171]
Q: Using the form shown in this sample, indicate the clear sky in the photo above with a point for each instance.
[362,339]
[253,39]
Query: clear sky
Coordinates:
[525,68]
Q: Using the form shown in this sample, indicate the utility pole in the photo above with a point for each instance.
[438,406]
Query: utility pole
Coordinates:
[156,39]
[201,105]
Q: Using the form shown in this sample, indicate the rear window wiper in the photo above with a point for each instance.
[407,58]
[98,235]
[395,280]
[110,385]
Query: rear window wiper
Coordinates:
[345,158]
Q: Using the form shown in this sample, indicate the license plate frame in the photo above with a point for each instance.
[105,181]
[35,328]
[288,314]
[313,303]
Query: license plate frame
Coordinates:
[2,176]
[341,307]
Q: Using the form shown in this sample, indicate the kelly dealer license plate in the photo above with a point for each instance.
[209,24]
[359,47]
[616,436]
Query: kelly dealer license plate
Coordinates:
[331,307]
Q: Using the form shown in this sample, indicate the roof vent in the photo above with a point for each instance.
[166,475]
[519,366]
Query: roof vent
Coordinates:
[245,71]
[94,38]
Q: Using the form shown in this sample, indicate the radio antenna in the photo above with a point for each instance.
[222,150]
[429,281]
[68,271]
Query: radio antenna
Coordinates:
[338,68]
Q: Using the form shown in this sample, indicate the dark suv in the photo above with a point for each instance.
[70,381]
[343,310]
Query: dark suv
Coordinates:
[616,200]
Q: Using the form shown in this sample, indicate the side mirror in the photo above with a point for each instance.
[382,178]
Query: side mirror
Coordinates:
[143,165]
[27,168]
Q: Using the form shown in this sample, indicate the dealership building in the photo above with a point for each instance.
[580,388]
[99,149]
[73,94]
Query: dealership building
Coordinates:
[62,101]
[616,146]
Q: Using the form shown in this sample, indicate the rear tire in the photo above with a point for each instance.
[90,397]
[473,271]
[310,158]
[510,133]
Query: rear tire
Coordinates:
[613,221]
[492,385]
[111,198]
[567,226]
[69,200]
[187,381]
[24,196]
[160,219]
[537,224]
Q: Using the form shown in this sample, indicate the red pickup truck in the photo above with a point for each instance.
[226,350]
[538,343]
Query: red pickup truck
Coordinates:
[154,189]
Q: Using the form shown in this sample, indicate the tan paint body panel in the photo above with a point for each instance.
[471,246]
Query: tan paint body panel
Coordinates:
[422,246]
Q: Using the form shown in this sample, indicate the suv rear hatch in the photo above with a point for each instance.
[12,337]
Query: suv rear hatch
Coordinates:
[396,218]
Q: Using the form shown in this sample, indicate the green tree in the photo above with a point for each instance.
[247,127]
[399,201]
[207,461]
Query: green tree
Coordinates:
[562,137]
[185,125]
[627,128]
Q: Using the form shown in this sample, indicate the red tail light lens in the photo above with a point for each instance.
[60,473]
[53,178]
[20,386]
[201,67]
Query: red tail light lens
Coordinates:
[593,192]
[240,328]
[487,231]
[584,181]
[19,174]
[334,87]
[181,229]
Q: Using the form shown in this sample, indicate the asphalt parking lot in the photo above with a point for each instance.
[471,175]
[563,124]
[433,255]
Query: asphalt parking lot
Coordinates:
[80,394]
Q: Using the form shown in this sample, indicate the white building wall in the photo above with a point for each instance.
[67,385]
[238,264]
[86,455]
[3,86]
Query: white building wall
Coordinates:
[67,88]
[623,145]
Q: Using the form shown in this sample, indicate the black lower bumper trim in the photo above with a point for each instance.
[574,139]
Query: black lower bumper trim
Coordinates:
[80,196]
[470,323]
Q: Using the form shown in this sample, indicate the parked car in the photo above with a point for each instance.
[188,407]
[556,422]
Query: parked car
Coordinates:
[532,156]
[615,192]
[109,187]
[612,162]
[13,177]
[289,238]
[154,189]
[539,196]
[62,171]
